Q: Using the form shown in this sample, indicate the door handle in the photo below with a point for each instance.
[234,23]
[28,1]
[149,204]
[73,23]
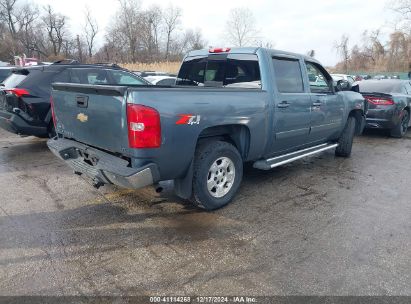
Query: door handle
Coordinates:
[284,104]
[317,104]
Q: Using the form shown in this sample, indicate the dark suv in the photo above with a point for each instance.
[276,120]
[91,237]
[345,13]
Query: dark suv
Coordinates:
[25,94]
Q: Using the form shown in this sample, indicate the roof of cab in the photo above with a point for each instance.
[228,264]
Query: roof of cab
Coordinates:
[252,50]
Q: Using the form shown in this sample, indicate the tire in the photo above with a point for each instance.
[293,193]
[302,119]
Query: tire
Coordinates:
[346,139]
[213,190]
[401,129]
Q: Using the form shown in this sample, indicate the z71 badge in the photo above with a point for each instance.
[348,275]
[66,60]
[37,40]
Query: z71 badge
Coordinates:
[188,119]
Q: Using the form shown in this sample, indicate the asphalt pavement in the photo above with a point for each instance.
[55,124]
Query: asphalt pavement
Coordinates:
[319,226]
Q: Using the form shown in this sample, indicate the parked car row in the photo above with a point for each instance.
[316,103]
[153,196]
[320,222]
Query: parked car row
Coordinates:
[157,78]
[226,107]
[353,78]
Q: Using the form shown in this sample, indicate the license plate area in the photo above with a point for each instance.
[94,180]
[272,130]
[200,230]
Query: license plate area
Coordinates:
[87,157]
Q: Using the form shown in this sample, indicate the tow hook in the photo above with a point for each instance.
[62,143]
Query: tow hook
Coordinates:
[97,184]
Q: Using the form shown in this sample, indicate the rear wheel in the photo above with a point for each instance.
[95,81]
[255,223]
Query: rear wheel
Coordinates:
[347,137]
[401,129]
[218,171]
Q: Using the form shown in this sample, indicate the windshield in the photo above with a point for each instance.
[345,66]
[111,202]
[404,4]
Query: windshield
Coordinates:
[380,86]
[234,70]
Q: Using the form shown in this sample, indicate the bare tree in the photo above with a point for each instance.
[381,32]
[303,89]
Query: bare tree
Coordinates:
[171,19]
[29,34]
[125,31]
[241,27]
[343,51]
[265,44]
[151,31]
[7,8]
[194,40]
[91,30]
[56,29]
[402,7]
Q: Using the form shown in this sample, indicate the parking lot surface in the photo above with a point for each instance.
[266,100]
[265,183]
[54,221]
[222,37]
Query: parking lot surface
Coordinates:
[320,226]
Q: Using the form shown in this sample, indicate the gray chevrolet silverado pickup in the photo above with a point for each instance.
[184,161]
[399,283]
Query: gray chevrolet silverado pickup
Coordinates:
[228,107]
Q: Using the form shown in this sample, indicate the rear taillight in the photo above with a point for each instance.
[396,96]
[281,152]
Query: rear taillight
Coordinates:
[144,128]
[18,92]
[53,114]
[379,100]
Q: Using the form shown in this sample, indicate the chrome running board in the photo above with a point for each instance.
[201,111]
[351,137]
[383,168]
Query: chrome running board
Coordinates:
[267,164]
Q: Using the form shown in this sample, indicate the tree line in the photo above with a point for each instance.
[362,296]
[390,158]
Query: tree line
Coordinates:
[376,53]
[135,34]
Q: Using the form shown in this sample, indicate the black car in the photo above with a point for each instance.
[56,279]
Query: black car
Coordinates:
[25,94]
[389,104]
[5,72]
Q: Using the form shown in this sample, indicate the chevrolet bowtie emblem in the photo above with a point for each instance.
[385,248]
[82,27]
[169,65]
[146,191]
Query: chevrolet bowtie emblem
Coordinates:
[82,117]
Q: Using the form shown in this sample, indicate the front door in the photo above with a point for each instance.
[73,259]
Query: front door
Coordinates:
[327,107]
[292,106]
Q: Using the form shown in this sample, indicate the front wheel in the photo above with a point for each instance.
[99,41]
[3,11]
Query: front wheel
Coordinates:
[218,171]
[401,129]
[346,139]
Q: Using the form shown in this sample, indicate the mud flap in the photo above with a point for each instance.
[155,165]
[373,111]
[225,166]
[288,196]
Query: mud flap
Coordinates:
[183,187]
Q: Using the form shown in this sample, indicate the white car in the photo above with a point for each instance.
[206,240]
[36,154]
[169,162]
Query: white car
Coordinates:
[162,80]
[348,78]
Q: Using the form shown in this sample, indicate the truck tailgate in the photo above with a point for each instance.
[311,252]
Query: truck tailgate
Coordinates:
[91,114]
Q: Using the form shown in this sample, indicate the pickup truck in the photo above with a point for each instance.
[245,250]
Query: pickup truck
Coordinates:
[228,107]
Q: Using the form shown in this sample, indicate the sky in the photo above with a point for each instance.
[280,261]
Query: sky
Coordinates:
[292,25]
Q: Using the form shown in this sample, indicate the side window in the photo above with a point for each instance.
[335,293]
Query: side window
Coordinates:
[62,76]
[89,76]
[319,82]
[288,75]
[408,88]
[39,81]
[124,78]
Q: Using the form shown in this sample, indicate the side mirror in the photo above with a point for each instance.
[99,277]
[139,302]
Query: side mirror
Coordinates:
[343,85]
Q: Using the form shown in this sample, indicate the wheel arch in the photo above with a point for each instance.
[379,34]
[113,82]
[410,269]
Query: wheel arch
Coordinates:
[359,120]
[236,134]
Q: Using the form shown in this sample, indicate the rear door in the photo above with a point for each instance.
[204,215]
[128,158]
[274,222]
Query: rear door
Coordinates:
[327,107]
[292,112]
